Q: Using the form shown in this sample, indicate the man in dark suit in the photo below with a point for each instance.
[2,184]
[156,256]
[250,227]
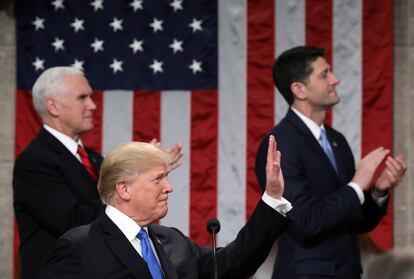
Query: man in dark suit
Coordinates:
[332,201]
[53,190]
[55,177]
[135,187]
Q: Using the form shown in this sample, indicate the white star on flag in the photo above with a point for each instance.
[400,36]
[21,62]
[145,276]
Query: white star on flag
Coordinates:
[38,64]
[196,66]
[156,25]
[177,5]
[78,64]
[58,4]
[116,66]
[58,44]
[116,24]
[77,24]
[136,5]
[97,5]
[196,25]
[97,45]
[39,23]
[177,46]
[156,66]
[136,45]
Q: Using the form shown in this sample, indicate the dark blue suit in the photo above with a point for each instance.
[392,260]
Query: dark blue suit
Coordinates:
[53,192]
[322,240]
[101,250]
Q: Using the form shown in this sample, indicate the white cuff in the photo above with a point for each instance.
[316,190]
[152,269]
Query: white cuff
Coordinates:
[358,191]
[281,205]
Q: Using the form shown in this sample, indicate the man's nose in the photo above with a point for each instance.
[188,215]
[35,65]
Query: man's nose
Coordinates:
[334,79]
[91,104]
[168,187]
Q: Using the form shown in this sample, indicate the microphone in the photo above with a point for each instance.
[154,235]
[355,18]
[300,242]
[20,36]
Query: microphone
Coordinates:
[213,227]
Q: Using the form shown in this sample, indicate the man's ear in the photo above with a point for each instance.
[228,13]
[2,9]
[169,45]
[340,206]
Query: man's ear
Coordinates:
[51,106]
[122,190]
[299,90]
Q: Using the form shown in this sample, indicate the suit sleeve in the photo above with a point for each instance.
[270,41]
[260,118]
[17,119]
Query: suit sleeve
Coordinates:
[243,256]
[318,204]
[63,262]
[42,194]
[239,259]
[371,214]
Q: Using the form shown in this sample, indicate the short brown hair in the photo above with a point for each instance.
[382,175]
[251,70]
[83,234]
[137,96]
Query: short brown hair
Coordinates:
[125,163]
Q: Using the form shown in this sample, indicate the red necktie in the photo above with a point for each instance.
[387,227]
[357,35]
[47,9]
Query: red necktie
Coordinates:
[87,163]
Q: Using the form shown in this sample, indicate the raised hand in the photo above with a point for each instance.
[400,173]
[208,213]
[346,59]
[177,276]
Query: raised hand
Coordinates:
[176,151]
[275,184]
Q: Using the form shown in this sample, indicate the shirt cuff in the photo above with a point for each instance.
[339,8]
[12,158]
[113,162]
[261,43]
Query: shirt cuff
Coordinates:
[379,200]
[358,191]
[281,205]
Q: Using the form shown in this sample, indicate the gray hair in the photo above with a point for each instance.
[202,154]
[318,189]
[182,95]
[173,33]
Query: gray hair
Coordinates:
[50,83]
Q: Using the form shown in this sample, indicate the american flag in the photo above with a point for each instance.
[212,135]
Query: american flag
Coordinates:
[200,72]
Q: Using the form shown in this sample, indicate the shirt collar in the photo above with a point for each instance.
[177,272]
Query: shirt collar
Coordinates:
[127,226]
[312,126]
[67,141]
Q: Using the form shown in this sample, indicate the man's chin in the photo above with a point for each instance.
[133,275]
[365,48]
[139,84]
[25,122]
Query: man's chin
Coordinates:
[87,128]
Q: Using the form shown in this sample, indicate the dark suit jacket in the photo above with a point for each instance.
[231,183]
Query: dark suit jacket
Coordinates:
[100,250]
[322,240]
[53,192]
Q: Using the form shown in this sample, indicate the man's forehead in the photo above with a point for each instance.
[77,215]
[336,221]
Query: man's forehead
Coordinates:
[77,84]
[157,169]
[320,64]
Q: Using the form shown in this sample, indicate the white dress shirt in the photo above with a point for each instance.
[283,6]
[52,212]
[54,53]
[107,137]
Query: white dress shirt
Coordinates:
[67,141]
[129,228]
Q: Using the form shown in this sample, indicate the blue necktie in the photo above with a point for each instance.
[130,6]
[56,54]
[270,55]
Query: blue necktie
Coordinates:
[149,256]
[327,148]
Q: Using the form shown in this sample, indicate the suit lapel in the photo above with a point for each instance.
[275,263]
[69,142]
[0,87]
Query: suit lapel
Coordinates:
[338,152]
[96,162]
[66,155]
[314,146]
[166,265]
[123,249]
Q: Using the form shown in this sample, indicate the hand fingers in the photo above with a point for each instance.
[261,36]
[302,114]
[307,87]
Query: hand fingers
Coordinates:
[155,142]
[401,160]
[270,155]
[276,163]
[375,157]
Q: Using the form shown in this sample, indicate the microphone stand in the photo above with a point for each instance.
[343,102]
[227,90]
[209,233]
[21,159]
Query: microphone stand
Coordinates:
[213,241]
[213,227]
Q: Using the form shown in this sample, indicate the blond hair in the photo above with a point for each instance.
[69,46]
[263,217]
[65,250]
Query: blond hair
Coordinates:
[125,163]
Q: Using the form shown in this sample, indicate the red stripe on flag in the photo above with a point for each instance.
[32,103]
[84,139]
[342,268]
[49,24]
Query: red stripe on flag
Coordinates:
[319,30]
[27,125]
[147,113]
[203,162]
[377,70]
[260,90]
[93,139]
